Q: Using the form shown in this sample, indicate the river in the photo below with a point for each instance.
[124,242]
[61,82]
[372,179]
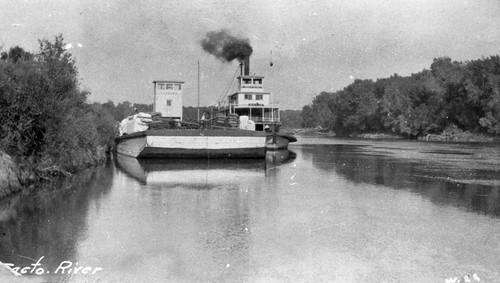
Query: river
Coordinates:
[328,210]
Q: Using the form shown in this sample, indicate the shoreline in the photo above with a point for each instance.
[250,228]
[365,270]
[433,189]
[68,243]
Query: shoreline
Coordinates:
[14,175]
[461,137]
[17,175]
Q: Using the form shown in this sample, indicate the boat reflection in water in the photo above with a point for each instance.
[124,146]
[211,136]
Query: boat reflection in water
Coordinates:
[278,157]
[201,173]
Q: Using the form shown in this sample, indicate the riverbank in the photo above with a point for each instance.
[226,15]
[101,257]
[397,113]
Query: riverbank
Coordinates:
[14,175]
[443,137]
[320,132]
[459,137]
[455,136]
[309,132]
[17,174]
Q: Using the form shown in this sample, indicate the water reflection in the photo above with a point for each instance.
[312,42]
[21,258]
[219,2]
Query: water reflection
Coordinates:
[444,182]
[198,216]
[330,213]
[278,157]
[51,220]
[201,173]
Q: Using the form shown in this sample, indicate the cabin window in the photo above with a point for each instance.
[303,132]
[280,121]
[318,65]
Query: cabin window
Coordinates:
[169,102]
[248,96]
[259,97]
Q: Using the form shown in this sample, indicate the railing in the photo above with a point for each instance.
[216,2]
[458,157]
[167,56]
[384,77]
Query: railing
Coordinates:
[265,119]
[251,86]
[275,104]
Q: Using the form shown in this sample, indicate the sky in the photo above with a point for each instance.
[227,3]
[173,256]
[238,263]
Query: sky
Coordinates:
[121,47]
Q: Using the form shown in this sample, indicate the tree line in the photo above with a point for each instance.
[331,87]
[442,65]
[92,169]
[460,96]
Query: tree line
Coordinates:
[452,95]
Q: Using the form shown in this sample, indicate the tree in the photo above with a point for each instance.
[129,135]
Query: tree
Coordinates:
[483,92]
[309,119]
[291,119]
[45,117]
[363,108]
[15,54]
[322,109]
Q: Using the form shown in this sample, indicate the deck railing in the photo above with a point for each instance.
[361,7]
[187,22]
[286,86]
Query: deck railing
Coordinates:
[265,119]
[256,104]
[231,107]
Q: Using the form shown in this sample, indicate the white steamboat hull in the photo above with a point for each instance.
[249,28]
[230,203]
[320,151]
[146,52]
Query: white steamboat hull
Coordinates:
[193,144]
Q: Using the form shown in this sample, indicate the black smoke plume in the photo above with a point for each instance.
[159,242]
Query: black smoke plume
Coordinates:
[225,46]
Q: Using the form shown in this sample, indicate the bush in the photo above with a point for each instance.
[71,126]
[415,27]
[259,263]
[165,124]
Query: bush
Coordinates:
[45,116]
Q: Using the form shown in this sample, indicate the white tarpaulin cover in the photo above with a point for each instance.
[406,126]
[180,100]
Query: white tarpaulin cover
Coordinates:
[136,123]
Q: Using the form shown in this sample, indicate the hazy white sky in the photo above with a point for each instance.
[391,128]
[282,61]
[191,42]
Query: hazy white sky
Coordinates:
[122,46]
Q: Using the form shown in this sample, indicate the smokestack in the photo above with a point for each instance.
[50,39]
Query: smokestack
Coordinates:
[247,65]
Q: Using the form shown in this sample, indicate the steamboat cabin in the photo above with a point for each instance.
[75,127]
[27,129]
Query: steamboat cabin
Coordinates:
[251,100]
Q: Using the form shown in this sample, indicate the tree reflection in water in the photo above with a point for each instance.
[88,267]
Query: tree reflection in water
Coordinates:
[444,183]
[49,220]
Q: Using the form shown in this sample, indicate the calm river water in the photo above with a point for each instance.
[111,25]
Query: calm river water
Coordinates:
[328,210]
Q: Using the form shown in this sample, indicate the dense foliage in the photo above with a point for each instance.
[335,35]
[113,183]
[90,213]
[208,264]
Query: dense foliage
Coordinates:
[45,117]
[451,95]
[290,119]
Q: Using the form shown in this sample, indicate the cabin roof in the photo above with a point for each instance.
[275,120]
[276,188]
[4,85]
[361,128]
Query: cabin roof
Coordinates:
[164,81]
[250,77]
[249,92]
